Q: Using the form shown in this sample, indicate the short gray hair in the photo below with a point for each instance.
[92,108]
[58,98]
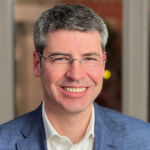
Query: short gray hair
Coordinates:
[67,17]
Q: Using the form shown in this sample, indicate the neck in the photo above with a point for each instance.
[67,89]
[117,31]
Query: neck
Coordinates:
[71,125]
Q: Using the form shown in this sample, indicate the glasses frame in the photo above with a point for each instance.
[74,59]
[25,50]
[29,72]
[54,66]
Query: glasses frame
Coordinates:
[71,60]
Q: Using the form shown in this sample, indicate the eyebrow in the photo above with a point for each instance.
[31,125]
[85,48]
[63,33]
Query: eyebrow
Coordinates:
[91,54]
[69,55]
[59,53]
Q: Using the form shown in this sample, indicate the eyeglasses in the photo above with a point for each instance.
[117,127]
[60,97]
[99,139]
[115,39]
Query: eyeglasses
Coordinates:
[89,62]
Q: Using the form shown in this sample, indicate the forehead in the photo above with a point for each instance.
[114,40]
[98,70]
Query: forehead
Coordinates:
[74,42]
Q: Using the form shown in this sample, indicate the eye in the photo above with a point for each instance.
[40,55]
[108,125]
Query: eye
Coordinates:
[90,59]
[59,59]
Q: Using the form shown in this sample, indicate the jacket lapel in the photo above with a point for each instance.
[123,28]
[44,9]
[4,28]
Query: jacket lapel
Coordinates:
[106,132]
[31,143]
[33,133]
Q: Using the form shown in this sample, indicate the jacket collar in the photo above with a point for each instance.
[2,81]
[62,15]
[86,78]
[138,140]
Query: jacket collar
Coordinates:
[33,132]
[107,131]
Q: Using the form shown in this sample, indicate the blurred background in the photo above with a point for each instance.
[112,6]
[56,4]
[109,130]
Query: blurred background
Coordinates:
[127,77]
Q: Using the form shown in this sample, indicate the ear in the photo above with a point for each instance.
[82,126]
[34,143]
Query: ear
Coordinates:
[104,62]
[36,64]
[103,72]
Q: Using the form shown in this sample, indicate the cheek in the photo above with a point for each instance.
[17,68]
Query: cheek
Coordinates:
[48,80]
[53,76]
[97,76]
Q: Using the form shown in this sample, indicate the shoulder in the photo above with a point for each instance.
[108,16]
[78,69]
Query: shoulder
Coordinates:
[11,130]
[132,133]
[119,118]
[15,125]
[124,124]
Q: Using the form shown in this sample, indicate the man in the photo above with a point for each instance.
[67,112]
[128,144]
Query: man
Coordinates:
[70,58]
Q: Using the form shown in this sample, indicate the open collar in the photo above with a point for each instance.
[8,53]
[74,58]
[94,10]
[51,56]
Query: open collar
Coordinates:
[106,131]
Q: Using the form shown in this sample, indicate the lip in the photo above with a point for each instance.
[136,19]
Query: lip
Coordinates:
[73,94]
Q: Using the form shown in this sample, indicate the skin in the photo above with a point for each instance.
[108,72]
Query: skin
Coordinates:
[66,109]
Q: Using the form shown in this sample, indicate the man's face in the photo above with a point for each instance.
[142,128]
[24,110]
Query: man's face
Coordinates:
[73,88]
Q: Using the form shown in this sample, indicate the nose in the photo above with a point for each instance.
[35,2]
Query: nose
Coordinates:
[75,71]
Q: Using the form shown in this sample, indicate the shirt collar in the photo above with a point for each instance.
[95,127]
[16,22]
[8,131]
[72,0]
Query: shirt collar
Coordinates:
[50,131]
[90,129]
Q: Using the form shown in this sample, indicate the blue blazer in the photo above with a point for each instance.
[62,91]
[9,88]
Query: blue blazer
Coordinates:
[113,131]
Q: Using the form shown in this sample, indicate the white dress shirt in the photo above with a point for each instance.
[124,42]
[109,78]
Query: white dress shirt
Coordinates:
[58,142]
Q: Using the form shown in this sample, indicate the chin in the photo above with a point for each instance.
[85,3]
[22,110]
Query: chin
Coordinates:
[76,107]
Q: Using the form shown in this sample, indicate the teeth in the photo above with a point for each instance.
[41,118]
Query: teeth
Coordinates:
[74,89]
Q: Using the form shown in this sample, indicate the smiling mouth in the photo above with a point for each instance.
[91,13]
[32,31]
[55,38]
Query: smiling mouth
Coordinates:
[76,90]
